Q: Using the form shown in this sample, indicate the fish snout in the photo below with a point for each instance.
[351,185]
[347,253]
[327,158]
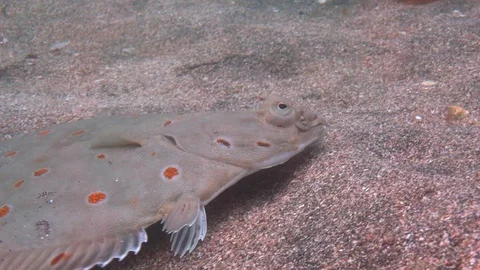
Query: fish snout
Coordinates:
[309,119]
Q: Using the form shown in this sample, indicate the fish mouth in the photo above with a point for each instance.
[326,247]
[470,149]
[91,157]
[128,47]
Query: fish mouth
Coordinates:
[312,132]
[317,120]
[307,120]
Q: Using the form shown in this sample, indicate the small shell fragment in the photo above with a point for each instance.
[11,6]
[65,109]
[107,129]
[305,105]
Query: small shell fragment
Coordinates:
[456,112]
[429,83]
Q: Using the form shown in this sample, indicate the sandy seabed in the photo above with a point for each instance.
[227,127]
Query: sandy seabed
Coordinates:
[396,184]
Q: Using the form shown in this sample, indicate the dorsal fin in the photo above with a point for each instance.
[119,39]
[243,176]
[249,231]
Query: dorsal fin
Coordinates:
[113,139]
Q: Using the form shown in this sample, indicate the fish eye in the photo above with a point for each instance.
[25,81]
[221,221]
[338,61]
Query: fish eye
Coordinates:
[282,108]
[280,112]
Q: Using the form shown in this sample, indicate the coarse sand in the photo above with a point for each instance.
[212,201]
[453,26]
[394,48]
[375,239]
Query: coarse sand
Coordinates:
[396,184]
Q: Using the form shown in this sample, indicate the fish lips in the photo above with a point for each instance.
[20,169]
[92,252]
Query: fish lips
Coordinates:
[312,127]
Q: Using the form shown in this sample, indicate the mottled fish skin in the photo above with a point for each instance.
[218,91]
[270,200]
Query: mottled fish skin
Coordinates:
[81,194]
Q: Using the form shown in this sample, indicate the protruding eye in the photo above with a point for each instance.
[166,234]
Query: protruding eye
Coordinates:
[282,108]
[280,113]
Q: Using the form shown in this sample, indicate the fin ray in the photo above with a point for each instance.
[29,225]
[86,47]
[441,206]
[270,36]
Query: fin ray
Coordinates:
[185,212]
[187,223]
[82,255]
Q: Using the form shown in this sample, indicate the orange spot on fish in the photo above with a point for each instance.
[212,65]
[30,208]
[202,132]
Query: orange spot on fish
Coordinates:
[11,154]
[79,132]
[44,132]
[168,122]
[96,197]
[154,154]
[224,142]
[4,210]
[101,156]
[170,172]
[263,144]
[18,183]
[40,172]
[59,257]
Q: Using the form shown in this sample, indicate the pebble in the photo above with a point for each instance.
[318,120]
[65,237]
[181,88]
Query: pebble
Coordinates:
[3,40]
[458,14]
[130,50]
[58,46]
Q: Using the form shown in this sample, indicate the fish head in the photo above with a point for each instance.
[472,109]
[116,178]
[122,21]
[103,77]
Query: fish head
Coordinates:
[254,139]
[290,127]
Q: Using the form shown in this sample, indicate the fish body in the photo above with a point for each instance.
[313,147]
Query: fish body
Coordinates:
[81,194]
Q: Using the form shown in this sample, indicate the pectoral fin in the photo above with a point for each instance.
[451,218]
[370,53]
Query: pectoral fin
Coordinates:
[187,222]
